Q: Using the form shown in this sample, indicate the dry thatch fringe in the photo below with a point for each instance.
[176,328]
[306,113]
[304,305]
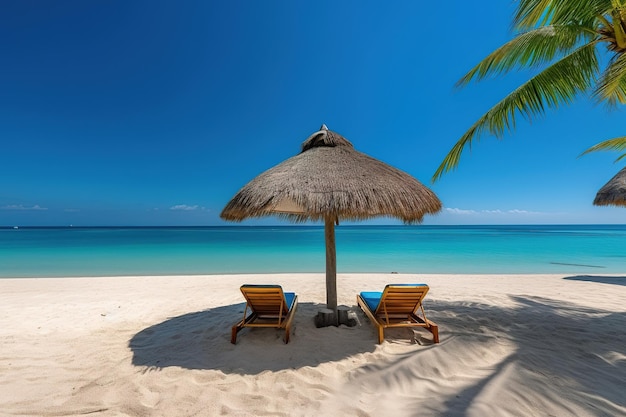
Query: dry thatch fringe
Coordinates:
[330,179]
[613,192]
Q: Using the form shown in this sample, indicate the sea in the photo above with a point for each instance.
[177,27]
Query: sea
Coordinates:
[422,249]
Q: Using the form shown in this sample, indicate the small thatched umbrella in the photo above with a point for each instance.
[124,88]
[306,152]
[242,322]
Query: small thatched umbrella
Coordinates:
[329,180]
[614,192]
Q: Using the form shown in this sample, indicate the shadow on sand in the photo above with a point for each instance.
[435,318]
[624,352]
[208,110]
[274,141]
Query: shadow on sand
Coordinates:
[201,340]
[534,353]
[567,354]
[599,278]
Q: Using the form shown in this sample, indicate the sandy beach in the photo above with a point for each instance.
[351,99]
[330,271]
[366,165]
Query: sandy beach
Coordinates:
[511,345]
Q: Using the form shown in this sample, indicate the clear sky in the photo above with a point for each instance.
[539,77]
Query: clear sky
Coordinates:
[157,112]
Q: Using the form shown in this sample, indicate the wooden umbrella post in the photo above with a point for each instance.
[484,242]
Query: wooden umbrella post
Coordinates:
[328,316]
[331,267]
[333,315]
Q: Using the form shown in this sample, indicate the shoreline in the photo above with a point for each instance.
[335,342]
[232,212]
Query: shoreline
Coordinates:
[511,344]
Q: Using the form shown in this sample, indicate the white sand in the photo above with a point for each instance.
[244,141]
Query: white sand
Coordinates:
[518,345]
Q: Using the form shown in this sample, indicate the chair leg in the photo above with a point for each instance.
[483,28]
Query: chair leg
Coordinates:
[381,335]
[434,329]
[289,319]
[233,335]
[237,327]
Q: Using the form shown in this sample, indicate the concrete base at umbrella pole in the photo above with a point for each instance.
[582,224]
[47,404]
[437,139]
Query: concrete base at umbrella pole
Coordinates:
[347,316]
[327,317]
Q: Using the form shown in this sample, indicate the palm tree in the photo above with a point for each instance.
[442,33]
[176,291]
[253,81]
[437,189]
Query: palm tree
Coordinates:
[563,40]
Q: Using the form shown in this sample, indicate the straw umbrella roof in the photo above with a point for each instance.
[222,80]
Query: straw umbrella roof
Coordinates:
[330,179]
[614,192]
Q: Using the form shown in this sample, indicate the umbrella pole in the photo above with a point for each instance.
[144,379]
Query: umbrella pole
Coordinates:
[331,267]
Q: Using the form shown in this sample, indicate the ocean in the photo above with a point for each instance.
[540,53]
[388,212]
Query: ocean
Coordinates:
[118,251]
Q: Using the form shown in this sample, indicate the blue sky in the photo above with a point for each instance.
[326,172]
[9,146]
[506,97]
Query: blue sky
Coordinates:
[157,112]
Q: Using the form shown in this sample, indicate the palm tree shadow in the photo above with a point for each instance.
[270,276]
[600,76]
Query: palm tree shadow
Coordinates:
[541,347]
[201,340]
[600,279]
[563,341]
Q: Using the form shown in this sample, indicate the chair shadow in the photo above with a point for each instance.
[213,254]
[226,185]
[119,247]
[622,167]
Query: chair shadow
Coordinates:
[599,278]
[201,340]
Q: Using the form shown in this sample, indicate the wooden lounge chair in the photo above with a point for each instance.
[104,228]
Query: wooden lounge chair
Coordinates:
[397,306]
[269,307]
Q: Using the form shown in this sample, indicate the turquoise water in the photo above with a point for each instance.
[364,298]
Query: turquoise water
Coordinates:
[49,252]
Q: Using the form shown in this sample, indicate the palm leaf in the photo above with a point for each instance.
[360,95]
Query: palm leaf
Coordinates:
[612,84]
[530,49]
[615,144]
[557,84]
[533,13]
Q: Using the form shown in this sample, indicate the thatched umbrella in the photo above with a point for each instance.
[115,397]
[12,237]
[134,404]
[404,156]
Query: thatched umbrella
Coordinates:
[329,180]
[614,192]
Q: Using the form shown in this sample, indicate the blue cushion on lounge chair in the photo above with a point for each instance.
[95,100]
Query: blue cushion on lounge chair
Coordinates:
[289,297]
[372,298]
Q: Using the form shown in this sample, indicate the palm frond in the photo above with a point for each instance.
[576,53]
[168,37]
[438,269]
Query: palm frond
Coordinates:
[530,49]
[615,144]
[611,86]
[557,84]
[534,13]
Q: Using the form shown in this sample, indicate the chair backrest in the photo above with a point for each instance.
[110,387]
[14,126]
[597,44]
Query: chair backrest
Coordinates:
[265,299]
[402,298]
